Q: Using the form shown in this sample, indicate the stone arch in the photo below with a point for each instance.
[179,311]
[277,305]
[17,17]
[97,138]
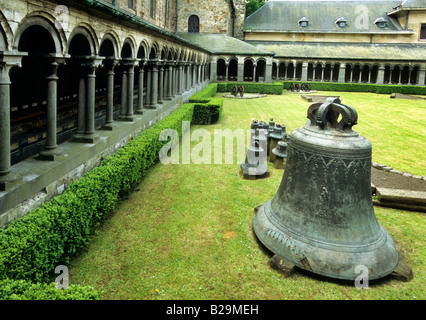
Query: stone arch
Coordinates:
[40,22]
[128,49]
[82,42]
[153,51]
[109,46]
[6,34]
[260,69]
[142,52]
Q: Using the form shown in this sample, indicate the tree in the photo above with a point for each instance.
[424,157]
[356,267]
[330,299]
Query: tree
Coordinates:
[253,5]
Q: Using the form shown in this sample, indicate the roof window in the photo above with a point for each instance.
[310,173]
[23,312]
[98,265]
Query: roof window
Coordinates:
[381,23]
[342,22]
[304,22]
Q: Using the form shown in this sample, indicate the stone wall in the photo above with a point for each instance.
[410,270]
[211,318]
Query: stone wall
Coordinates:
[215,15]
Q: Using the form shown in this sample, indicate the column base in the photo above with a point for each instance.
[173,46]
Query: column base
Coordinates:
[85,138]
[128,118]
[9,180]
[151,106]
[108,126]
[49,154]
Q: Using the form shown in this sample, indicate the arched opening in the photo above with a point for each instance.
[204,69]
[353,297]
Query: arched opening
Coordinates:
[260,71]
[387,75]
[290,71]
[248,70]
[194,24]
[281,72]
[318,72]
[365,74]
[374,73]
[29,93]
[348,73]
[395,75]
[327,73]
[221,70]
[414,75]
[233,70]
[356,73]
[310,71]
[274,71]
[298,74]
[405,75]
[336,70]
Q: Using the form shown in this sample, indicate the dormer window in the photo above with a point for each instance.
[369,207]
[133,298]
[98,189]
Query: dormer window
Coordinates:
[342,22]
[381,23]
[304,22]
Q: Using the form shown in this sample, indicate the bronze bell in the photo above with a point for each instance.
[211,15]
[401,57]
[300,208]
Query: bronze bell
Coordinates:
[255,163]
[322,217]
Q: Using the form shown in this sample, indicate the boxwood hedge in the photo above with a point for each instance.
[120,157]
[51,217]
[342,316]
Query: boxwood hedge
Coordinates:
[31,247]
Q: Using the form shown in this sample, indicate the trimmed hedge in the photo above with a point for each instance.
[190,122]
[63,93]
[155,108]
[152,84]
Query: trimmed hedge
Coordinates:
[25,290]
[207,109]
[360,87]
[253,87]
[31,247]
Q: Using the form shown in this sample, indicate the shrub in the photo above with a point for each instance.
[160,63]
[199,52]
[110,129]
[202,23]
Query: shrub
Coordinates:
[31,247]
[360,87]
[207,109]
[253,87]
[25,290]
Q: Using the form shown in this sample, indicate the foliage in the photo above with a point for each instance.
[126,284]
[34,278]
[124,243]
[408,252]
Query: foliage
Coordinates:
[32,246]
[253,87]
[360,87]
[25,290]
[253,5]
[207,109]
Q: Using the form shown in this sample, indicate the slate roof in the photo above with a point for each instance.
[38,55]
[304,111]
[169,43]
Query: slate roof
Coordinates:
[222,44]
[345,51]
[283,16]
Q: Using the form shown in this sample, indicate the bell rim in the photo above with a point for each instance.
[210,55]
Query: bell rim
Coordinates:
[304,256]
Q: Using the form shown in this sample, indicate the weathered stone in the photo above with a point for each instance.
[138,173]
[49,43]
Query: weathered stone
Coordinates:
[401,196]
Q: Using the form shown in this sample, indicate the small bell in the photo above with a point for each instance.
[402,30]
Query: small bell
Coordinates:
[280,153]
[275,136]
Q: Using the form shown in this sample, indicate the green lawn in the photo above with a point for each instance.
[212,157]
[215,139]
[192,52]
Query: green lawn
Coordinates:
[185,232]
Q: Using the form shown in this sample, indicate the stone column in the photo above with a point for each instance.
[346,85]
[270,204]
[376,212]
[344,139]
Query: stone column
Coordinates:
[154,86]
[90,104]
[160,83]
[268,71]
[167,88]
[254,72]
[148,86]
[304,71]
[7,178]
[240,72]
[141,73]
[342,72]
[170,85]
[179,78]
[124,83]
[194,68]
[109,122]
[50,151]
[421,76]
[188,76]
[213,70]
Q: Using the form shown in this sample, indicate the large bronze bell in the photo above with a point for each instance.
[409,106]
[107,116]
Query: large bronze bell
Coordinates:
[322,217]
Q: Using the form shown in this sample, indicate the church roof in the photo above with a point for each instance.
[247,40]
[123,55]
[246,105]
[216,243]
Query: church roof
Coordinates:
[345,51]
[222,44]
[284,16]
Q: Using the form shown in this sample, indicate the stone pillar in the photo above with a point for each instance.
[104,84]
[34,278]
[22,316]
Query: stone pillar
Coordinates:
[124,83]
[160,83]
[254,72]
[304,71]
[90,104]
[148,86]
[213,70]
[188,76]
[342,72]
[170,85]
[194,77]
[7,178]
[130,91]
[268,71]
[240,72]
[141,74]
[167,91]
[109,122]
[180,78]
[50,151]
[421,76]
[154,86]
